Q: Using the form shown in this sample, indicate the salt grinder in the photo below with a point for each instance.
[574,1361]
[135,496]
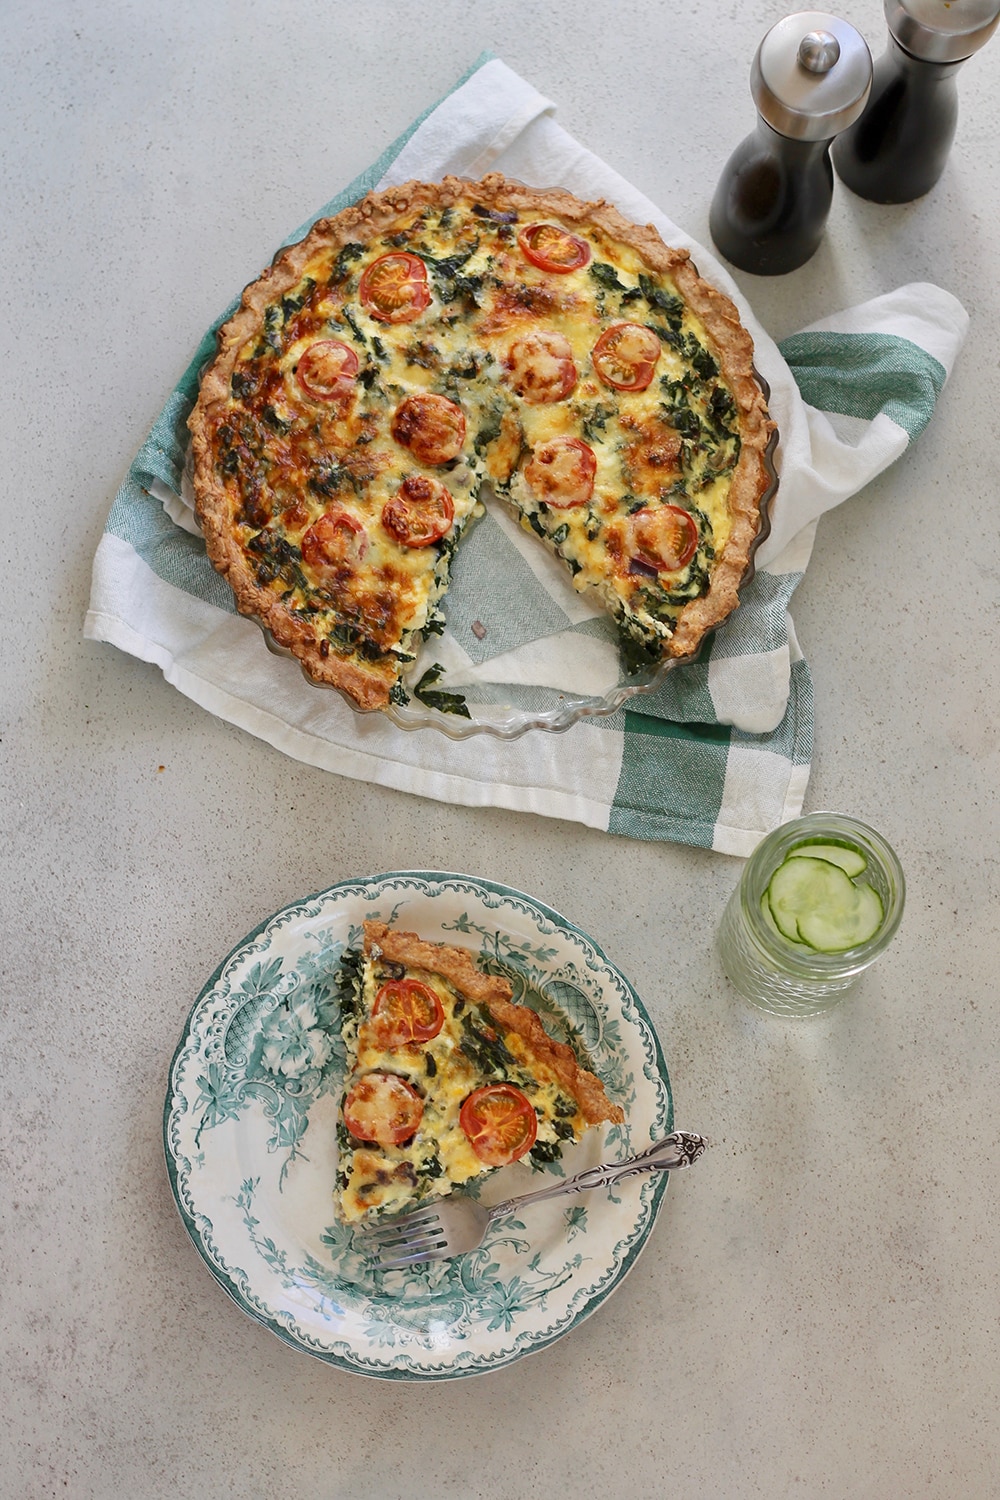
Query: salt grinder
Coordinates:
[810,80]
[898,148]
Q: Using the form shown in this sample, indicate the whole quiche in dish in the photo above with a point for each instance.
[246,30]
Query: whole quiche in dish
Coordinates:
[438,338]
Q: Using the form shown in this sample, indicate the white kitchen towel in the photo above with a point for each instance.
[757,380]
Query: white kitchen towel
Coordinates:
[720,752]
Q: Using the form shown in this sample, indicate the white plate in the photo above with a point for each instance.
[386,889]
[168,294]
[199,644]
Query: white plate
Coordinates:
[249,1134]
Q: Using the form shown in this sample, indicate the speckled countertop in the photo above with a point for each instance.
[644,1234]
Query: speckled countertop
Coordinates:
[817,1312]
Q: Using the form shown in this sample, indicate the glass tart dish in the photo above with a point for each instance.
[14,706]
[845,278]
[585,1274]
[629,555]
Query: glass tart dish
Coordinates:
[251,1142]
[483,456]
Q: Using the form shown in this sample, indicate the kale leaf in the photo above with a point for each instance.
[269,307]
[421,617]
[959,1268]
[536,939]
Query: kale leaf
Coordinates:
[432,697]
[607,277]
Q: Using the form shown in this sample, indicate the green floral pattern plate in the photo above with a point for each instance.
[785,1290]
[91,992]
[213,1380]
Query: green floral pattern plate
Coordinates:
[250,1139]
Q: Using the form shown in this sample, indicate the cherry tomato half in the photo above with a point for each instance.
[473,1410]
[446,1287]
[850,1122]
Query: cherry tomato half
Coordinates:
[394,288]
[553,249]
[499,1123]
[335,540]
[407,1011]
[625,356]
[665,537]
[383,1108]
[541,367]
[327,369]
[419,513]
[432,427]
[561,472]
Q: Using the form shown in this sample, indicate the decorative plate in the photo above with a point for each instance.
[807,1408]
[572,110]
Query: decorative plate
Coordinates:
[249,1135]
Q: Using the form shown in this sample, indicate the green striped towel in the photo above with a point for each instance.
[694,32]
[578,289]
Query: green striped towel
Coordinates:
[720,753]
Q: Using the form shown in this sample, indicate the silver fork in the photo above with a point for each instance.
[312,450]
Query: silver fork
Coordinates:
[453,1226]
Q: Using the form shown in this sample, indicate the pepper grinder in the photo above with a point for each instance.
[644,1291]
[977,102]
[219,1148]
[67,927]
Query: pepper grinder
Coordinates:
[809,81]
[898,148]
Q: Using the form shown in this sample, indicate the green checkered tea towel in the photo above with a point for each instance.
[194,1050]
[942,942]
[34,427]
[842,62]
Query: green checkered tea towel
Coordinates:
[720,752]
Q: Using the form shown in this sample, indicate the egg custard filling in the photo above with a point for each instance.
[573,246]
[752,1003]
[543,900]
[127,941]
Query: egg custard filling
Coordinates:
[438,338]
[447,1079]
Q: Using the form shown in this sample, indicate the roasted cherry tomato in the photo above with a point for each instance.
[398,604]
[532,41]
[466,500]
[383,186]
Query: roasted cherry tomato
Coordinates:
[499,1123]
[432,427]
[419,513]
[553,249]
[541,367]
[665,537]
[327,369]
[335,540]
[561,472]
[406,1011]
[394,288]
[625,356]
[383,1108]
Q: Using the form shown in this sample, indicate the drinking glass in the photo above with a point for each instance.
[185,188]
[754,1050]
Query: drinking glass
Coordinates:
[789,979]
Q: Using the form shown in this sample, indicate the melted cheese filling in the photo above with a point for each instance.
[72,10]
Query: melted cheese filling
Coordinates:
[286,460]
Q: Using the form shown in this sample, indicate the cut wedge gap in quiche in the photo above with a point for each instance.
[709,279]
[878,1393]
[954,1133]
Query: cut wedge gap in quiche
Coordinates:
[447,1078]
[438,337]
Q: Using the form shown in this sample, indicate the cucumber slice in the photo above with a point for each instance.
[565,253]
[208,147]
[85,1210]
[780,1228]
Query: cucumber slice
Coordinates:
[813,901]
[784,917]
[765,911]
[835,932]
[850,859]
[802,885]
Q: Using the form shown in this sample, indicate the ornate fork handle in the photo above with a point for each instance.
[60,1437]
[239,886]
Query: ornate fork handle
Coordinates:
[672,1154]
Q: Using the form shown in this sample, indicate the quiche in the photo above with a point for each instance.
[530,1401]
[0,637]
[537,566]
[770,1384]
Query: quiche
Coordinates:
[447,1078]
[438,341]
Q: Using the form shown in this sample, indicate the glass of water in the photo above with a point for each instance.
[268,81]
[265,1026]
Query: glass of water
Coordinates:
[819,900]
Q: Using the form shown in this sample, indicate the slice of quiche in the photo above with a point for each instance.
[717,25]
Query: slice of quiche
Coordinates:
[447,1079]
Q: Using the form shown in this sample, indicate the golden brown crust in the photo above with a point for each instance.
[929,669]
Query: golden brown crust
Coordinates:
[734,349]
[369,682]
[454,964]
[581,1085]
[460,969]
